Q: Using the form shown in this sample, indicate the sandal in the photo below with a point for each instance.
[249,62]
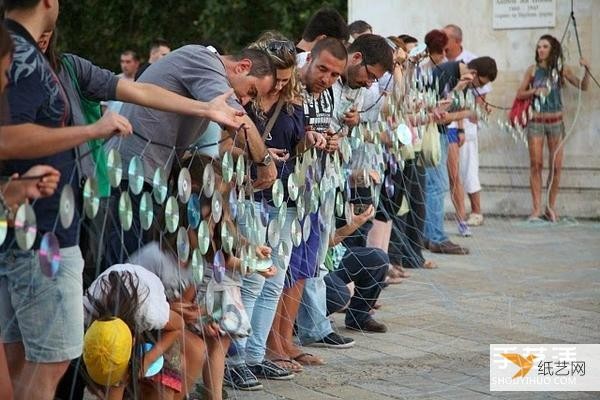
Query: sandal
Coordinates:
[308,359]
[289,364]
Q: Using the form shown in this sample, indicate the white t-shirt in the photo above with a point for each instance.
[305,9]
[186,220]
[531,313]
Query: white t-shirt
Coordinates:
[153,311]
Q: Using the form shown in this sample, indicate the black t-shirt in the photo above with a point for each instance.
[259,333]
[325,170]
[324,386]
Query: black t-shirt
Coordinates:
[318,112]
[448,76]
[35,95]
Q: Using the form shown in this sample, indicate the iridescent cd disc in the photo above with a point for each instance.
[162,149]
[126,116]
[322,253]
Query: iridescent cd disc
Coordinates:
[203,237]
[282,214]
[233,203]
[49,255]
[183,245]
[292,187]
[226,239]
[296,233]
[25,226]
[3,224]
[389,186]
[300,209]
[277,192]
[66,206]
[348,210]
[263,264]
[184,185]
[306,228]
[208,181]
[135,173]
[217,206]
[227,167]
[197,266]
[404,135]
[264,212]
[193,211]
[159,185]
[125,211]
[339,204]
[146,211]
[218,266]
[240,170]
[114,167]
[273,233]
[172,214]
[91,201]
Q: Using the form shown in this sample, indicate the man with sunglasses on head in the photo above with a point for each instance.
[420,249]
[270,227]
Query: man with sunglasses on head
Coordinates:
[453,76]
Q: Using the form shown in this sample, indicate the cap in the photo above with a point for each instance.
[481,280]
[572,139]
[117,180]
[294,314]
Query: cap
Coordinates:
[107,348]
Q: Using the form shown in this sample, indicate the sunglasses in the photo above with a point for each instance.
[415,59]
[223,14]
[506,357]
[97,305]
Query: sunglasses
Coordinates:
[277,46]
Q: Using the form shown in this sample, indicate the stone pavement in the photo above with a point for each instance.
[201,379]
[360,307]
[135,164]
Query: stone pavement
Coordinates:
[521,284]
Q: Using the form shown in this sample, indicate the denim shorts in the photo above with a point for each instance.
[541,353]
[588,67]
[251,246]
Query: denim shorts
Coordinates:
[45,314]
[554,129]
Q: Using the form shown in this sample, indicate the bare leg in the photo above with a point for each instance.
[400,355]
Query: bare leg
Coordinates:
[379,235]
[536,163]
[38,381]
[6,391]
[475,200]
[291,302]
[194,351]
[275,348]
[15,357]
[456,188]
[214,368]
[555,161]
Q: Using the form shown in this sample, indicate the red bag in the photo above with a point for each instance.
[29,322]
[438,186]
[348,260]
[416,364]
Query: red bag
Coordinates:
[518,113]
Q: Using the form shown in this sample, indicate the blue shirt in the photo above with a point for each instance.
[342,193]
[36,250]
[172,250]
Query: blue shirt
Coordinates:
[286,133]
[35,95]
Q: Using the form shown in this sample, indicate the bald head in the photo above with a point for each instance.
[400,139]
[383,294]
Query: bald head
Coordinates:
[454,46]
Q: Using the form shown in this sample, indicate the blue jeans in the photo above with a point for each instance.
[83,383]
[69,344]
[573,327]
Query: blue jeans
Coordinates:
[312,321]
[436,186]
[260,297]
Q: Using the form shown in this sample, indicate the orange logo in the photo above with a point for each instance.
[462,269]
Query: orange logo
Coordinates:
[523,363]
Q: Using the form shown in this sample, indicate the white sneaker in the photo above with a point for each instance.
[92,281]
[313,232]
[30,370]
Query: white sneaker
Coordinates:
[475,219]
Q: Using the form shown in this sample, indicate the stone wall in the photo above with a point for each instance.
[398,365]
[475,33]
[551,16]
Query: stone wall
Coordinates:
[505,163]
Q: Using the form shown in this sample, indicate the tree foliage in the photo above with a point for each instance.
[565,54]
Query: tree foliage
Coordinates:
[99,29]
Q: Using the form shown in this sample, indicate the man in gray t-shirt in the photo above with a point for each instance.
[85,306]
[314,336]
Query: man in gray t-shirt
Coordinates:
[195,72]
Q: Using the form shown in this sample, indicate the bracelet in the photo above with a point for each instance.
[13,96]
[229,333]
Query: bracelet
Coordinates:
[8,211]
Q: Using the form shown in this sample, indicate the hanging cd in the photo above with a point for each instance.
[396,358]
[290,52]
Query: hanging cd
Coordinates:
[277,193]
[348,210]
[273,233]
[208,181]
[419,49]
[203,237]
[292,187]
[282,214]
[25,226]
[146,211]
[227,167]
[184,185]
[306,228]
[3,224]
[296,232]
[136,175]
[66,206]
[91,201]
[183,245]
[404,135]
[193,211]
[125,211]
[197,266]
[300,209]
[217,206]
[339,204]
[240,170]
[114,167]
[171,214]
[159,185]
[218,266]
[389,186]
[283,250]
[233,203]
[226,239]
[264,212]
[49,255]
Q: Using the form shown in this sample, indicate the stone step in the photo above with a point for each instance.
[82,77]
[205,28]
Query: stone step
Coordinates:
[571,178]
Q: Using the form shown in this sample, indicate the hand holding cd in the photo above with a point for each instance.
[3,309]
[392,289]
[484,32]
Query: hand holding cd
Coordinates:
[46,186]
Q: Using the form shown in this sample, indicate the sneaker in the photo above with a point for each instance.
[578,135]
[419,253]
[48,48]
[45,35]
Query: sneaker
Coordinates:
[464,230]
[475,219]
[269,370]
[370,326]
[241,377]
[334,341]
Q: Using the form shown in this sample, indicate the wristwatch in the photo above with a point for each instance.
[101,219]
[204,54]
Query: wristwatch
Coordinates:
[266,161]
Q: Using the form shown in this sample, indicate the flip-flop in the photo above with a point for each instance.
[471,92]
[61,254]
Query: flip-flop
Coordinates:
[289,364]
[308,359]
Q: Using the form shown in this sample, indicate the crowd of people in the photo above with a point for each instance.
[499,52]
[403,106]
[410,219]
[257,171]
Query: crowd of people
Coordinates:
[200,217]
